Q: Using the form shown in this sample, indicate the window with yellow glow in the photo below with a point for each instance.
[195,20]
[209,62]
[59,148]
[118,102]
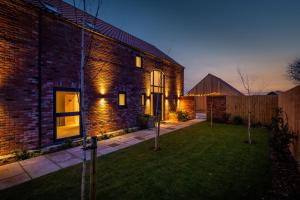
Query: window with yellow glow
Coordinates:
[138,61]
[67,114]
[157,82]
[143,99]
[122,99]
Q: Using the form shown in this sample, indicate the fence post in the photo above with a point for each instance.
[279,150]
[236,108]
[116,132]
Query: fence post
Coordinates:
[93,148]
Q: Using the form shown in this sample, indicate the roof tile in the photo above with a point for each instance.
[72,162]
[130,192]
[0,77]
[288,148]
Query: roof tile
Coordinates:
[75,15]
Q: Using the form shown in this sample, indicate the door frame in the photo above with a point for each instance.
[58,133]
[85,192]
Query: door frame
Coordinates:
[161,90]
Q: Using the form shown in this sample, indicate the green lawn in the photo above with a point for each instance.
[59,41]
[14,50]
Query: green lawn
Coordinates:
[195,163]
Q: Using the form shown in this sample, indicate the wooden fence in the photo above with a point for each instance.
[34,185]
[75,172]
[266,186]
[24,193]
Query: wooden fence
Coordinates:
[262,107]
[289,101]
[200,102]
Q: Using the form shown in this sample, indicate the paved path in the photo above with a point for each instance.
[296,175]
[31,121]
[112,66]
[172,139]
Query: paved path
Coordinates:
[22,171]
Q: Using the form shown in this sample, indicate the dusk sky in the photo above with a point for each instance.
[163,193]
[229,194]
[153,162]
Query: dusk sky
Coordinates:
[261,37]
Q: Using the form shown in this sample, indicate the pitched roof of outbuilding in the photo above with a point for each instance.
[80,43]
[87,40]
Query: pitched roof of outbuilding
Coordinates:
[75,15]
[211,84]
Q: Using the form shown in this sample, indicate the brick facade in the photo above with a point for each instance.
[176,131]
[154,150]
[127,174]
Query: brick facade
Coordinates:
[33,40]
[187,104]
[218,108]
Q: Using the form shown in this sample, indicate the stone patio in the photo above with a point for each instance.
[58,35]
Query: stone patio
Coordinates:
[22,171]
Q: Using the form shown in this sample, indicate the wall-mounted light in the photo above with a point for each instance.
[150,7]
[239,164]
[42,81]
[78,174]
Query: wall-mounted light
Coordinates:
[102,96]
[148,93]
[166,94]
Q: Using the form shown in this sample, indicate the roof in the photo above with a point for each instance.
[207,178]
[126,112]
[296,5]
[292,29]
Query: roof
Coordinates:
[70,13]
[212,84]
[274,93]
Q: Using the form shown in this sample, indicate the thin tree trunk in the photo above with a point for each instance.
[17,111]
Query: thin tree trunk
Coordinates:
[156,147]
[211,112]
[82,107]
[157,136]
[93,168]
[249,120]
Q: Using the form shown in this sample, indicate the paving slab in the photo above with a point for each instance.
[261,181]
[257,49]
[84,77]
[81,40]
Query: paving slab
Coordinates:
[14,180]
[63,159]
[133,141]
[106,150]
[10,170]
[39,166]
[77,152]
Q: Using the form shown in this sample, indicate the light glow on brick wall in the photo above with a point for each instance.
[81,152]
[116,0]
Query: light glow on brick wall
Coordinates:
[166,93]
[147,108]
[148,92]
[102,91]
[178,104]
[102,102]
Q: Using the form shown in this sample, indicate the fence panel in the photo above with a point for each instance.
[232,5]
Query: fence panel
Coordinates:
[262,107]
[200,103]
[289,101]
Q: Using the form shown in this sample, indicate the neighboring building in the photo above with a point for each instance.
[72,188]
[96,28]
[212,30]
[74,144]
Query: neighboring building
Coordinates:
[212,85]
[39,82]
[274,93]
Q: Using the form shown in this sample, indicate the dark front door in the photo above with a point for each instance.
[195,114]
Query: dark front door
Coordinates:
[157,104]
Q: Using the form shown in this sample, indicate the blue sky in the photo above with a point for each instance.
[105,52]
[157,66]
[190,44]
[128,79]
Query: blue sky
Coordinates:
[261,37]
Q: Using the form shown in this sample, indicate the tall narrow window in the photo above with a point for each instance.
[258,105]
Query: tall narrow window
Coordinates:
[122,99]
[143,99]
[138,61]
[67,114]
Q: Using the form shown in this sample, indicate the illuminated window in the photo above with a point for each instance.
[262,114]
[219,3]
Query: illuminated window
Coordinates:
[157,81]
[143,99]
[138,61]
[67,114]
[122,99]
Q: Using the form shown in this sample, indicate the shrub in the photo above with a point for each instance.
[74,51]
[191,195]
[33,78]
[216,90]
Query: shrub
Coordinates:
[281,135]
[226,117]
[126,130]
[68,143]
[237,120]
[256,125]
[105,136]
[143,121]
[25,154]
[182,116]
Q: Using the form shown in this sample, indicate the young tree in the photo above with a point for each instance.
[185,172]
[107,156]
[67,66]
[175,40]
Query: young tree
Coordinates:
[294,71]
[158,116]
[246,84]
[211,110]
[85,56]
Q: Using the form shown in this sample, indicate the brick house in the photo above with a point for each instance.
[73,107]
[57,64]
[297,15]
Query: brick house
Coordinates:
[39,75]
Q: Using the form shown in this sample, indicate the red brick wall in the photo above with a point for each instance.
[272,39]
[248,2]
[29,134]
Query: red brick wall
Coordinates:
[187,104]
[18,77]
[218,108]
[110,68]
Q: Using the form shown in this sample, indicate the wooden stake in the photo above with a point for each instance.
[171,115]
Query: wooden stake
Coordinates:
[93,148]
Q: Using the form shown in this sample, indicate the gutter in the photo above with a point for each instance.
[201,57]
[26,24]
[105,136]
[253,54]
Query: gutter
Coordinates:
[39,80]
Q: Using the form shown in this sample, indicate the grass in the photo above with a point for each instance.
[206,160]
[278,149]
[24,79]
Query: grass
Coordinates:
[194,163]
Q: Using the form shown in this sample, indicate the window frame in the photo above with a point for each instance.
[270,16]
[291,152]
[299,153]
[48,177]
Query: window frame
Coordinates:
[161,88]
[125,95]
[142,62]
[65,114]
